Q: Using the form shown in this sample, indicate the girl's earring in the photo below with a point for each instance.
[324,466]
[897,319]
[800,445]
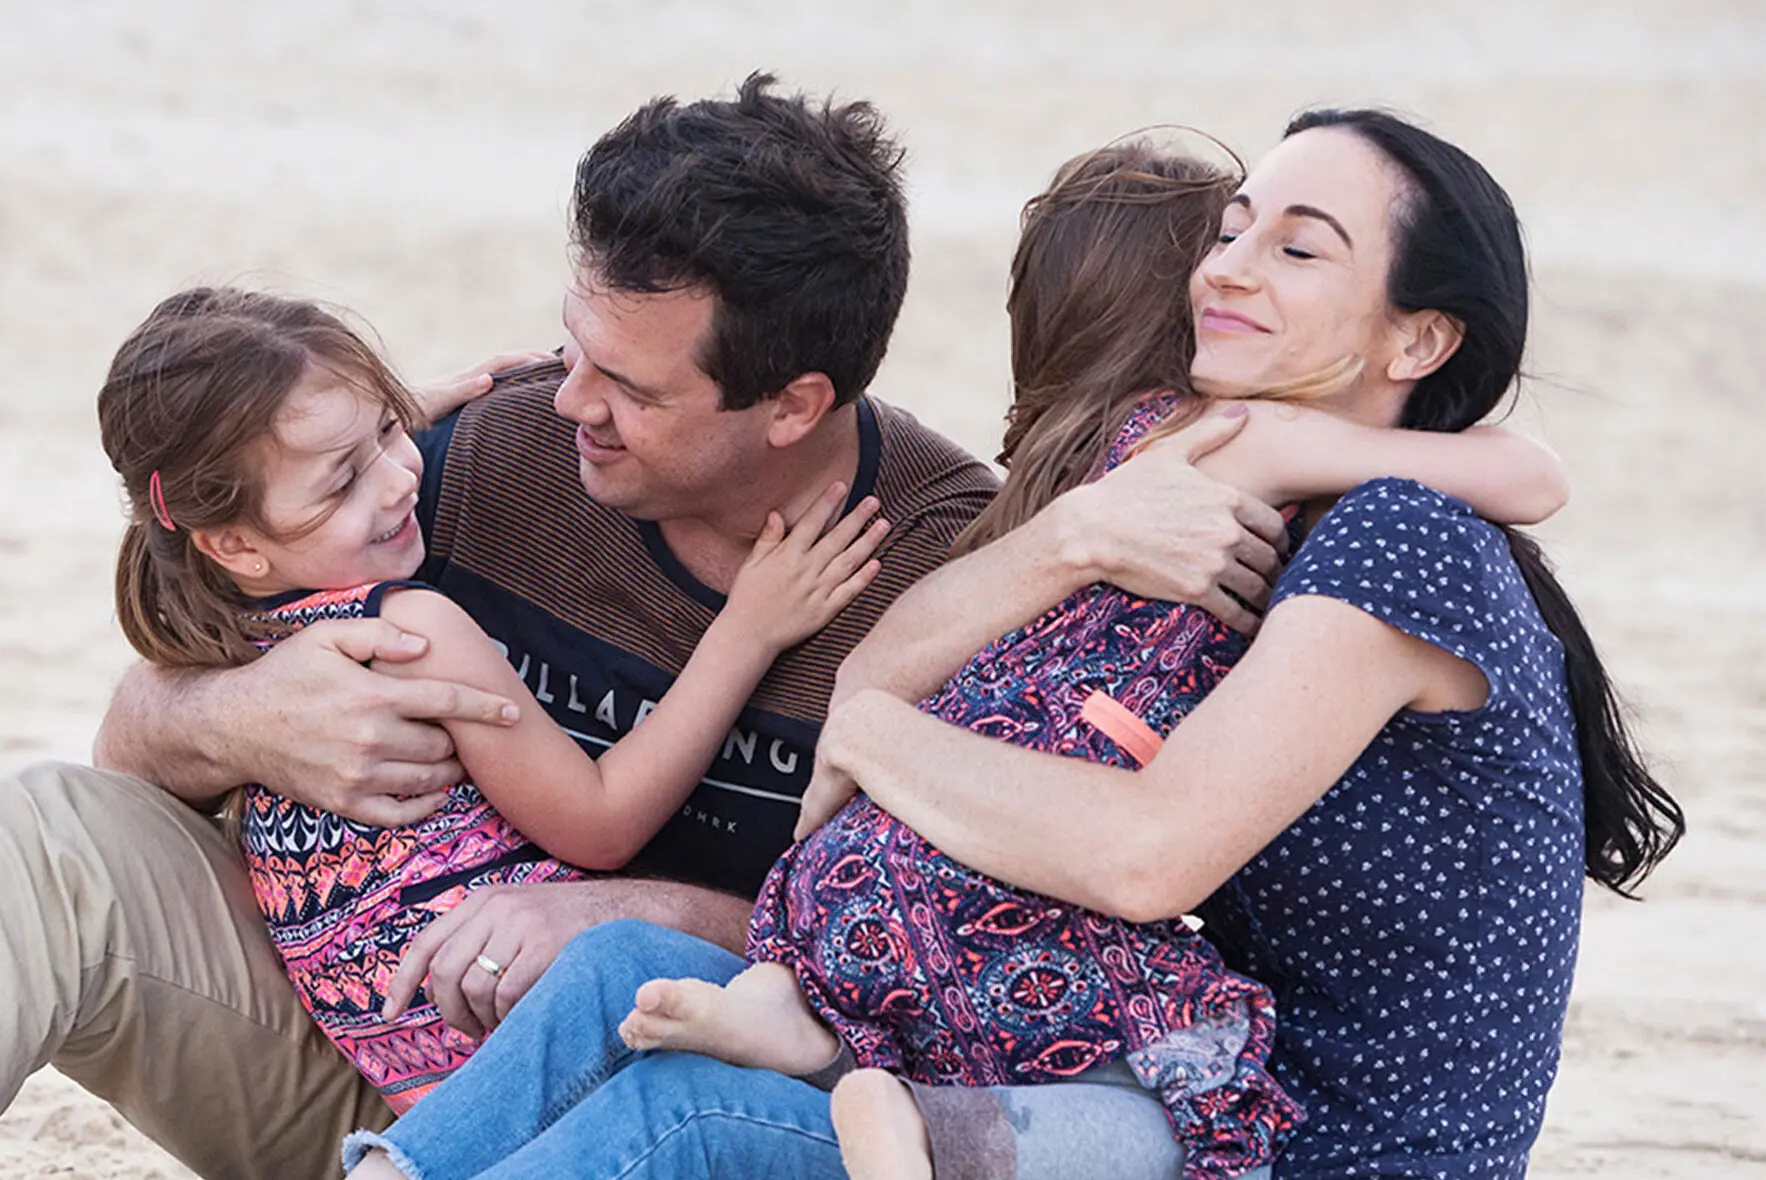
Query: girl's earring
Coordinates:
[257,567]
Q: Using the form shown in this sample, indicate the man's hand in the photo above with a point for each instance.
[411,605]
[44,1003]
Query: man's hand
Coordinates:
[519,930]
[1157,527]
[315,725]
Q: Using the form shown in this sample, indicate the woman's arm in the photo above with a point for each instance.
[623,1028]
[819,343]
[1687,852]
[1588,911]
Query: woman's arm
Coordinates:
[1312,692]
[1287,454]
[1160,529]
[598,813]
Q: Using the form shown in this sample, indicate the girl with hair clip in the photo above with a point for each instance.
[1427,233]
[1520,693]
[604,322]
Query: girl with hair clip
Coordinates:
[263,448]
[870,946]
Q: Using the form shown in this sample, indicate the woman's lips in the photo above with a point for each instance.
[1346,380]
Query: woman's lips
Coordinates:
[593,451]
[1216,319]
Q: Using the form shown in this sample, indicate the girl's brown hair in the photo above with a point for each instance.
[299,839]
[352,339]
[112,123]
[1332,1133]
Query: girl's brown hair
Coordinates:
[1100,313]
[192,397]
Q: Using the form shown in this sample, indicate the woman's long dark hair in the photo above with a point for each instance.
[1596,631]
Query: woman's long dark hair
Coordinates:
[1457,250]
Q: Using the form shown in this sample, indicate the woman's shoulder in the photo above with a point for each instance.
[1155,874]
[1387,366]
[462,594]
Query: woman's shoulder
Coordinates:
[1424,562]
[1402,523]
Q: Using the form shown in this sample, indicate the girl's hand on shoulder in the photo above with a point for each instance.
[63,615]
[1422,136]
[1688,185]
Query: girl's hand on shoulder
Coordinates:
[796,580]
[441,396]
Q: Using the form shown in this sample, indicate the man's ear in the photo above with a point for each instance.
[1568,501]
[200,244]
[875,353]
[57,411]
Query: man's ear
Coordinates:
[1427,340]
[233,549]
[799,408]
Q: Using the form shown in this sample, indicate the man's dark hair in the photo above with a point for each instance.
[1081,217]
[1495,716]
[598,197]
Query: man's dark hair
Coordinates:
[790,213]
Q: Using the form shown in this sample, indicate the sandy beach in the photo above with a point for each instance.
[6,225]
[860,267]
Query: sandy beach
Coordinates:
[413,162]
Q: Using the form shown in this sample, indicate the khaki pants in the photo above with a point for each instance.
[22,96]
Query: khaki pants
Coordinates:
[133,959]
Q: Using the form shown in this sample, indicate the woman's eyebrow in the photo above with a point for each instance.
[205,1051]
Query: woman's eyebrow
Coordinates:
[1312,211]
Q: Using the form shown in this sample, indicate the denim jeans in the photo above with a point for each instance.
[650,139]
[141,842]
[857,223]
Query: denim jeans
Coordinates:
[555,1092]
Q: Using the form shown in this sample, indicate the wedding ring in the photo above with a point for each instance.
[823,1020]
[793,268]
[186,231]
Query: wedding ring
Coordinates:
[491,967]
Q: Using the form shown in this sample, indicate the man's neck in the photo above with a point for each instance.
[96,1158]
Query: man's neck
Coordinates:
[713,546]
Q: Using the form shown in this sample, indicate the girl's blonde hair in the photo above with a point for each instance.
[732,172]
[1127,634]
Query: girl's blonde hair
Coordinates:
[191,399]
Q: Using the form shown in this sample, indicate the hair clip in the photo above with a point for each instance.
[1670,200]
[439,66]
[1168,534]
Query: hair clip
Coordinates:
[156,497]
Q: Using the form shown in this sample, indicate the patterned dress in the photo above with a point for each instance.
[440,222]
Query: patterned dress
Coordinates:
[344,899]
[948,977]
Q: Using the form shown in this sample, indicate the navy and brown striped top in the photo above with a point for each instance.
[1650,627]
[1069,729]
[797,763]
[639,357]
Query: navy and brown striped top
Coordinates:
[598,616]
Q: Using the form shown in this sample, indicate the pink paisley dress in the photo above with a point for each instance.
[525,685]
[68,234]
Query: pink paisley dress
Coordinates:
[344,899]
[946,976]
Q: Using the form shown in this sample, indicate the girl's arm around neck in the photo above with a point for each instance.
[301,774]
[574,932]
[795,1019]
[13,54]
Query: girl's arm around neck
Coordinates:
[1289,454]
[598,813]
[1307,699]
[589,812]
[1160,529]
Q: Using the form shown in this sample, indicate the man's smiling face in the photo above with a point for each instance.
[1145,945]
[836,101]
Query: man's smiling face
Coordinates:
[653,440]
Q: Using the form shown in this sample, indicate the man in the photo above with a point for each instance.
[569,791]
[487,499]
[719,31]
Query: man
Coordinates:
[739,269]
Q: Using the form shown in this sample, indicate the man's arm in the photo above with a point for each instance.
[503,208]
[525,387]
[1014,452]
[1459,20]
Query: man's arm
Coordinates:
[1154,526]
[521,929]
[307,720]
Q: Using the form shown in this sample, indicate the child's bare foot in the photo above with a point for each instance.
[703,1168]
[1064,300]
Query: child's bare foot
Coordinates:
[759,1019]
[882,1136]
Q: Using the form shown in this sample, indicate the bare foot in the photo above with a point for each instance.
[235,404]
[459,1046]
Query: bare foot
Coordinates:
[375,1166]
[882,1136]
[759,1019]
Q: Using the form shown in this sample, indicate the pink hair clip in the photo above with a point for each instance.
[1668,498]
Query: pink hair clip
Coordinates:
[156,497]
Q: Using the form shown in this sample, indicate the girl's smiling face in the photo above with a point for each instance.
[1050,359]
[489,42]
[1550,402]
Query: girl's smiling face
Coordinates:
[339,496]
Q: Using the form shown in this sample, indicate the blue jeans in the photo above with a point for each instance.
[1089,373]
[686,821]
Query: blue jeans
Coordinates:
[555,1092]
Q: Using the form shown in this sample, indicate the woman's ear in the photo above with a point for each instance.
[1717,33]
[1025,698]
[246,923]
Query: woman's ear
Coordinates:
[233,549]
[799,408]
[1428,339]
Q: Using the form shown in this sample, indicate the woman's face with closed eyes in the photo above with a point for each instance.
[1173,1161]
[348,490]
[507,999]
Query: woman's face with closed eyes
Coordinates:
[1295,289]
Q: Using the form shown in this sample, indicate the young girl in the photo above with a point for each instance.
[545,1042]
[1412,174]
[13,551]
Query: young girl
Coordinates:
[872,947]
[263,448]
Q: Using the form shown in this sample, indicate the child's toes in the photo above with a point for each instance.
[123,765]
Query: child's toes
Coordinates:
[638,1031]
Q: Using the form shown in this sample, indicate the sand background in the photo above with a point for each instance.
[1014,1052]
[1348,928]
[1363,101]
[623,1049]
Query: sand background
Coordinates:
[413,161]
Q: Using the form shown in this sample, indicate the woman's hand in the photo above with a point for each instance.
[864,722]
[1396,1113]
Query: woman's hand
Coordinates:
[794,582]
[832,783]
[441,396]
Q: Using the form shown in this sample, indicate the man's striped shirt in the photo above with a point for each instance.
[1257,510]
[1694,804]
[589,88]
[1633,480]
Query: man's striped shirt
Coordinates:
[599,617]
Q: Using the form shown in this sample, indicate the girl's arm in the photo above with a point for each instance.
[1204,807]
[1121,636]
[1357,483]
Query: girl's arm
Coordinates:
[1158,529]
[597,813]
[1287,454]
[1308,697]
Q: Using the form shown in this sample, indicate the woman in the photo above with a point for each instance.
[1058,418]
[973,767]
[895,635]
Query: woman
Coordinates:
[1388,787]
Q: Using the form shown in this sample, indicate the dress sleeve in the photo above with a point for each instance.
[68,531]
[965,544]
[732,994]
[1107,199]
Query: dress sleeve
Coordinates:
[1421,562]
